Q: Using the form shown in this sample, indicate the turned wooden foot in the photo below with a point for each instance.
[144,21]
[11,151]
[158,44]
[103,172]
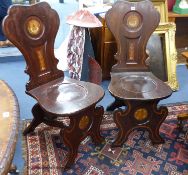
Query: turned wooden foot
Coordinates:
[139,114]
[81,125]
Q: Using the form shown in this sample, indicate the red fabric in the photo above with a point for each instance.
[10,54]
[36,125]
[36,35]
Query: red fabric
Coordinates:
[171,4]
[95,72]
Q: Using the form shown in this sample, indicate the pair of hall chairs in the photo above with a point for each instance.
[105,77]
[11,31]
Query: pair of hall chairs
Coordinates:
[33,29]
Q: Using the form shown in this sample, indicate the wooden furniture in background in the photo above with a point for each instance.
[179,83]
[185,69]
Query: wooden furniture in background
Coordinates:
[185,54]
[132,83]
[57,97]
[9,120]
[173,16]
[181,39]
[104,46]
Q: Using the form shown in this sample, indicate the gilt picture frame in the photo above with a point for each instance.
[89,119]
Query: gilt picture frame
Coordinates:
[162,8]
[167,33]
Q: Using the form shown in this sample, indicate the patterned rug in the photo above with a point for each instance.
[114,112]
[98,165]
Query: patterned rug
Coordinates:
[45,154]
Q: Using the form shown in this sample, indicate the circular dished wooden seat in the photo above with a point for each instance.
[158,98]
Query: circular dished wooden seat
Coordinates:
[138,85]
[67,96]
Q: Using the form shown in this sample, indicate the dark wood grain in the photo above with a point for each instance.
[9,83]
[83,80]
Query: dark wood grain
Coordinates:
[35,28]
[132,84]
[104,46]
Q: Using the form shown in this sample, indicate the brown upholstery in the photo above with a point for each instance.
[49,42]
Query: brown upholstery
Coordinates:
[132,83]
[33,30]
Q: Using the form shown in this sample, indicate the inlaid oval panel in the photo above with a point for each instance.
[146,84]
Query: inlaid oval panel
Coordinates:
[133,20]
[83,124]
[34,27]
[141,114]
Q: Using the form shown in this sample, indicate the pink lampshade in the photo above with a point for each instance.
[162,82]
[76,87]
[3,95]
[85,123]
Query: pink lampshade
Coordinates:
[84,18]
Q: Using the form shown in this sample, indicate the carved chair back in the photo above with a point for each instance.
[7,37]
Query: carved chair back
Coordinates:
[34,34]
[132,26]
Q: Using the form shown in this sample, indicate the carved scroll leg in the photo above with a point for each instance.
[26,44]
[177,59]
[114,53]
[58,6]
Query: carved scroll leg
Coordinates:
[123,126]
[38,115]
[95,128]
[158,117]
[73,135]
[72,142]
[116,104]
[82,125]
[156,138]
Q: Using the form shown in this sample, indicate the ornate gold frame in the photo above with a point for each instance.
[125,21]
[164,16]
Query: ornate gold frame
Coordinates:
[167,32]
[161,6]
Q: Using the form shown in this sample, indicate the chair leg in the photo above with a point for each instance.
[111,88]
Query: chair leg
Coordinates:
[82,125]
[95,128]
[181,118]
[124,128]
[115,104]
[38,115]
[71,138]
[140,114]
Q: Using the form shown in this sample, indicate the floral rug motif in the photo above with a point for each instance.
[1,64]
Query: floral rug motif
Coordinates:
[45,154]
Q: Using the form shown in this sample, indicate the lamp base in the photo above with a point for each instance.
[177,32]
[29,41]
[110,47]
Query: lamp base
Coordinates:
[179,10]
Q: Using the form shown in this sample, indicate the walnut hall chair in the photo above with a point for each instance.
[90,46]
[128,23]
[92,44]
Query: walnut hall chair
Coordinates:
[33,30]
[132,83]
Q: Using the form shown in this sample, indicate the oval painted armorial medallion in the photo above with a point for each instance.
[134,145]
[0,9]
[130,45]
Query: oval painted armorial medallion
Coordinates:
[133,20]
[140,114]
[34,27]
[83,124]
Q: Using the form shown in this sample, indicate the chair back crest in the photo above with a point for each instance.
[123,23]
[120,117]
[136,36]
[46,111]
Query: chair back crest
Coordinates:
[33,29]
[132,24]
